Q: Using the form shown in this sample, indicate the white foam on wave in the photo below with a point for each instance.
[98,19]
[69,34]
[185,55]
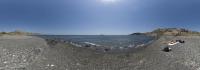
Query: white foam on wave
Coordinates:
[91,43]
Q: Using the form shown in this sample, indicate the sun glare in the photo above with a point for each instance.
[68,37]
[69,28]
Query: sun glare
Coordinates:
[109,1]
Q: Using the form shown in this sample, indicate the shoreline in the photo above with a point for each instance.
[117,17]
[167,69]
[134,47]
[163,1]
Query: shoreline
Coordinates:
[34,53]
[98,48]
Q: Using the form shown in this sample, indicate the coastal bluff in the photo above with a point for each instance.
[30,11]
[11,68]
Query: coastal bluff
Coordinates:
[169,32]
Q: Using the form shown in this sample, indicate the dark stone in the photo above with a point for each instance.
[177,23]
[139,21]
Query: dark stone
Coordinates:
[87,46]
[127,55]
[106,49]
[37,51]
[167,49]
[182,41]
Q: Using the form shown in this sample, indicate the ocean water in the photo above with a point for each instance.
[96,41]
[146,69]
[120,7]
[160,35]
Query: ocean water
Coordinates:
[103,40]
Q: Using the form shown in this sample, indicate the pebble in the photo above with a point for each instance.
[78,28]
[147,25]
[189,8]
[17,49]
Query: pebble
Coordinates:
[5,62]
[198,68]
[121,47]
[78,64]
[13,55]
[4,50]
[24,60]
[50,65]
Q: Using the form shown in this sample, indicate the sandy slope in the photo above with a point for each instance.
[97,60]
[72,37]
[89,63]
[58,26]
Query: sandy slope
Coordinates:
[18,52]
[33,53]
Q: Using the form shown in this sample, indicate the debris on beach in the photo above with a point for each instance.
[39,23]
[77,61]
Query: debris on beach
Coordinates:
[167,49]
[171,43]
[106,49]
[50,65]
[180,41]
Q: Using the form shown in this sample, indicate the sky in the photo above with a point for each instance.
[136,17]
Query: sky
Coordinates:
[94,17]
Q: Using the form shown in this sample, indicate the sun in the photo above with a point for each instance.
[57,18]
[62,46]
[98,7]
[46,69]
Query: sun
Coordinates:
[109,1]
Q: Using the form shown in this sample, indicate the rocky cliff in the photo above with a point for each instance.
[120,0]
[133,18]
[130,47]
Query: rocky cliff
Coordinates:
[170,32]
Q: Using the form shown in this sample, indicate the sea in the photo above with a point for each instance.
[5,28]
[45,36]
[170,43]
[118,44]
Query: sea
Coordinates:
[104,40]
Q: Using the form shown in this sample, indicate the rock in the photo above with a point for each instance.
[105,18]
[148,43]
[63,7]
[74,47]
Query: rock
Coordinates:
[87,46]
[167,49]
[138,34]
[106,49]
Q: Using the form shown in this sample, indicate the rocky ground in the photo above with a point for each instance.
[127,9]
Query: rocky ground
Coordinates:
[34,53]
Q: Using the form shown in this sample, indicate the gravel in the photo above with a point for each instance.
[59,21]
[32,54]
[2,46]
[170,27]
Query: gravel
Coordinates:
[34,53]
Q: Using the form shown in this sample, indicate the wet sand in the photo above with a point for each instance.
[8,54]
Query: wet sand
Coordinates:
[34,53]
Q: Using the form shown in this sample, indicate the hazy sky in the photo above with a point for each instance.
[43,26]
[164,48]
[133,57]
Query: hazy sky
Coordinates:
[98,16]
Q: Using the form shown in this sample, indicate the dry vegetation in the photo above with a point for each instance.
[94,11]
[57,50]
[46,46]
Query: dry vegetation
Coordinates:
[170,32]
[18,32]
[175,32]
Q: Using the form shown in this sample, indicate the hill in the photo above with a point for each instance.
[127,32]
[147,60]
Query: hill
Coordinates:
[18,32]
[170,32]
